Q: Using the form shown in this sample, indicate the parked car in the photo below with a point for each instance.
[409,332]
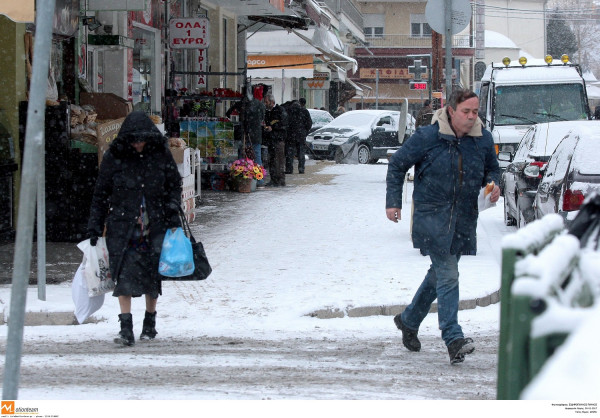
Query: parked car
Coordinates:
[522,176]
[319,118]
[368,134]
[572,174]
[410,126]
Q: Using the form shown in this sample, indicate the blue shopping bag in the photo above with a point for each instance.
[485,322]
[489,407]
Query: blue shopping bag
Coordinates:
[176,256]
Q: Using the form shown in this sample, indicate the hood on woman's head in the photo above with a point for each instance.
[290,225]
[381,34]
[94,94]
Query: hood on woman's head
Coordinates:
[138,127]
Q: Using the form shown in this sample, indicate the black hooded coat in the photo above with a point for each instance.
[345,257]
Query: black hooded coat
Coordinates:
[125,177]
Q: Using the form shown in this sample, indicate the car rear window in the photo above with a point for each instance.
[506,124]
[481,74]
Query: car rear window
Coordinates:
[587,155]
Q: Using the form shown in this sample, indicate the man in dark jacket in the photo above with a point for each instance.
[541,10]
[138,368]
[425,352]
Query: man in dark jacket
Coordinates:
[276,120]
[425,114]
[299,123]
[252,115]
[453,158]
[138,197]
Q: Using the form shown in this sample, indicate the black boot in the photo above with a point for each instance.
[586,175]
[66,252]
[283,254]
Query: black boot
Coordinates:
[459,348]
[149,330]
[409,336]
[125,336]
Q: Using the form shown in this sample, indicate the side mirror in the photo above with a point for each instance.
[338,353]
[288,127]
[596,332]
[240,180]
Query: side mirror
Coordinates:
[532,171]
[505,156]
[482,117]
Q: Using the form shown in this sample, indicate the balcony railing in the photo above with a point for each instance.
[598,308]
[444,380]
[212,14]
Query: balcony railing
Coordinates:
[409,41]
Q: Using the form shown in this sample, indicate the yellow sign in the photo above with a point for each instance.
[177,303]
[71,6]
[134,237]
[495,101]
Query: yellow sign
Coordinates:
[394,73]
[280,61]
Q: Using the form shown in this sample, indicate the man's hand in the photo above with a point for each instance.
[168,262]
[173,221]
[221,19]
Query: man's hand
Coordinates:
[393,214]
[495,195]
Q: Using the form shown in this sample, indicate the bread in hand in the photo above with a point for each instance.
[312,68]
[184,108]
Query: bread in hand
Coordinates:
[488,188]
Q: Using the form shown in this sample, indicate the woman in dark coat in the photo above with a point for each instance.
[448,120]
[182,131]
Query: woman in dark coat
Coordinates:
[137,196]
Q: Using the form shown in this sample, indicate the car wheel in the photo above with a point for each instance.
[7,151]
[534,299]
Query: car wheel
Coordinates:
[364,154]
[508,220]
[338,156]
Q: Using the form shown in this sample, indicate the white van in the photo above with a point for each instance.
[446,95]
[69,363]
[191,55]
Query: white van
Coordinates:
[517,94]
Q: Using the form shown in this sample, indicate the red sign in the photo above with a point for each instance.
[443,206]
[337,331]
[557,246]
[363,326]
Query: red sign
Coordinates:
[417,86]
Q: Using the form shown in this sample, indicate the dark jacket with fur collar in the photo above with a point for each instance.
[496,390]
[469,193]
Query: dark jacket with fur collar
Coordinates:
[449,173]
[125,176]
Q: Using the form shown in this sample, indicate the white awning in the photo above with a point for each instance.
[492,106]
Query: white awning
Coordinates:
[280,73]
[359,91]
[323,42]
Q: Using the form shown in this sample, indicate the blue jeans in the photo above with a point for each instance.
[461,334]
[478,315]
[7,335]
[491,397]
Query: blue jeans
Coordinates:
[258,159]
[441,282]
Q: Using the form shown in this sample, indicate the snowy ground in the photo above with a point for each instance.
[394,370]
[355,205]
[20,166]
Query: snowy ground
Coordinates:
[245,333]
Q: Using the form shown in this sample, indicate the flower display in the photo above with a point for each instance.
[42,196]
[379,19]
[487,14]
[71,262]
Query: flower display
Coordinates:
[246,169]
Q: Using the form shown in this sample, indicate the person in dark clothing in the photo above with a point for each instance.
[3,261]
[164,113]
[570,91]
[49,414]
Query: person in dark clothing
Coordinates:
[276,122]
[597,113]
[425,115]
[252,115]
[299,123]
[137,197]
[453,158]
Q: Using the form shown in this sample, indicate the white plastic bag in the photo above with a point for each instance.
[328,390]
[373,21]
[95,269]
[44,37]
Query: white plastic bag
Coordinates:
[85,305]
[97,269]
[484,201]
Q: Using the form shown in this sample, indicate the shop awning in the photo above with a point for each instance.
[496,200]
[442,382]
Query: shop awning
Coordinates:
[359,91]
[280,66]
[324,41]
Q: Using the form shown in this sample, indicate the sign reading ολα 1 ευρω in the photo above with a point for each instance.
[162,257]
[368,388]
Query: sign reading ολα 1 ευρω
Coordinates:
[189,33]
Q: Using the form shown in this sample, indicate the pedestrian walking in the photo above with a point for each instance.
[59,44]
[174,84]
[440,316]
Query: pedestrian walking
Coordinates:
[454,158]
[137,198]
[276,120]
[425,114]
[299,123]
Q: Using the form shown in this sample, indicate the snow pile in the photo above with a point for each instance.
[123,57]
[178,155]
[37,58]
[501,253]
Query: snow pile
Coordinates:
[573,372]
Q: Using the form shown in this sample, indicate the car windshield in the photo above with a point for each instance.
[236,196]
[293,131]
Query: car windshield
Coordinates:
[525,105]
[352,119]
[320,117]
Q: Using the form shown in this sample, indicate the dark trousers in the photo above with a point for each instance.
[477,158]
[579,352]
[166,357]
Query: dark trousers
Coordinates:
[277,162]
[294,149]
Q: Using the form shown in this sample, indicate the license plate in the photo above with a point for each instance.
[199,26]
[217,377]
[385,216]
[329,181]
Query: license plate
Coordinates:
[317,147]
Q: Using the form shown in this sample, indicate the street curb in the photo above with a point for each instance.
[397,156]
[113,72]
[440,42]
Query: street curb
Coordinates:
[68,318]
[51,318]
[362,311]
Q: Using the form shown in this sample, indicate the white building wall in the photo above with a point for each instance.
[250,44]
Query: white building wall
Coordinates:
[520,20]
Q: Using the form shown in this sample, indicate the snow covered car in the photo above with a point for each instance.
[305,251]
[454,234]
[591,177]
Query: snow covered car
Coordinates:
[319,118]
[522,176]
[365,134]
[572,174]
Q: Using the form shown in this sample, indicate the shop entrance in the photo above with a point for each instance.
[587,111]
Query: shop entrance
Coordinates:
[146,69]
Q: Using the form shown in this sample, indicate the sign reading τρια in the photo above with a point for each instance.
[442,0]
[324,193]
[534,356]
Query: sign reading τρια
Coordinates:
[189,33]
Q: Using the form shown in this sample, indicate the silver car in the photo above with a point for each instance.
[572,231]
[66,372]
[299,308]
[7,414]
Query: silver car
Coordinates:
[522,176]
[573,173]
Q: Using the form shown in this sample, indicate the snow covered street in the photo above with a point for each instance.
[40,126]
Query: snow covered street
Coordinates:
[279,256]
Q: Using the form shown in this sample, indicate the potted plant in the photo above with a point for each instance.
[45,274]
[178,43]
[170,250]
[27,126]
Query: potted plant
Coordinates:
[245,172]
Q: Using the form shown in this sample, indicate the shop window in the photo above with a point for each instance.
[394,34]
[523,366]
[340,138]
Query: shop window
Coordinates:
[143,55]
